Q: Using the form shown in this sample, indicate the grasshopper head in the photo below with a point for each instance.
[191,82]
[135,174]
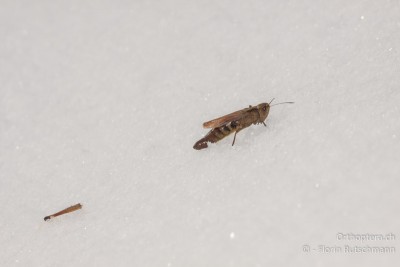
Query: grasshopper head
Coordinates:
[263,110]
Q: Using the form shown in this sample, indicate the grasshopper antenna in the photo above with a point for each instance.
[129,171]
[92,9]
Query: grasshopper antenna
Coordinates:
[281,103]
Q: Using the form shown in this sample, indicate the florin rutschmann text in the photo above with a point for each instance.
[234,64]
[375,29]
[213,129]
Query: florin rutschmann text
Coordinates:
[353,246]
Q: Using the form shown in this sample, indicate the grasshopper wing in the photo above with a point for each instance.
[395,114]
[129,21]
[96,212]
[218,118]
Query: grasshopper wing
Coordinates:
[224,119]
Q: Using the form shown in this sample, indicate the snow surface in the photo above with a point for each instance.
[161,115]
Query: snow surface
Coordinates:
[102,101]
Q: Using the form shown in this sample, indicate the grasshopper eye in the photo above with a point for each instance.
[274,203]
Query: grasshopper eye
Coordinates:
[264,108]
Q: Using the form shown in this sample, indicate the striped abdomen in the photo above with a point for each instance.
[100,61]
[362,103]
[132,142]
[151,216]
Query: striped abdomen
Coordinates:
[216,134]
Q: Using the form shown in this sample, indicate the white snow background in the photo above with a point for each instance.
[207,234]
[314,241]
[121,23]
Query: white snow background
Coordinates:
[102,101]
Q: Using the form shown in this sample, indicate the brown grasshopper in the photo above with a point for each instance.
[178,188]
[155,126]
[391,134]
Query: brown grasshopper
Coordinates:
[234,122]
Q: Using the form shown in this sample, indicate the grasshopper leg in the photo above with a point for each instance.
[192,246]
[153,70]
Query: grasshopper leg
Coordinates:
[234,138]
